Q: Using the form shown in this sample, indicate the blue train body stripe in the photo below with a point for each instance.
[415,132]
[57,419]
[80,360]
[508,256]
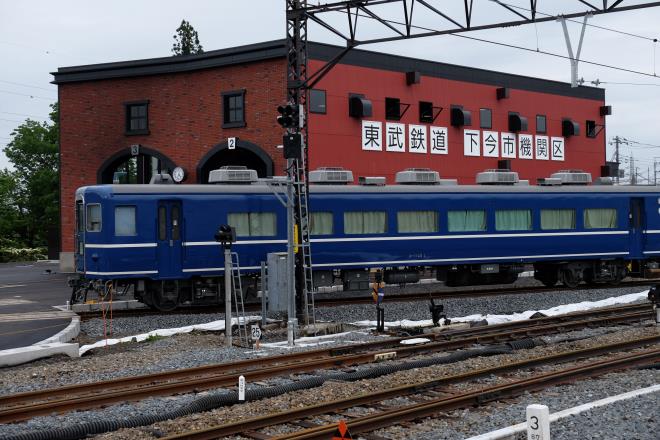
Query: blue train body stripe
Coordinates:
[119,245]
[455,260]
[138,272]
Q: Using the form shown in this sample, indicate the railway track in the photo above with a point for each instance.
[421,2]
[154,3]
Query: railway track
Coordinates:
[441,399]
[325,300]
[23,406]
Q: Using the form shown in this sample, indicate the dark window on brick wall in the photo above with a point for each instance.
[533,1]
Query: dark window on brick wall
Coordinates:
[485,118]
[393,108]
[590,129]
[137,117]
[541,124]
[317,101]
[233,109]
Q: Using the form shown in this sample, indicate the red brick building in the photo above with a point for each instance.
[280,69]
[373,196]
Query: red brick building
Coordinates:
[121,122]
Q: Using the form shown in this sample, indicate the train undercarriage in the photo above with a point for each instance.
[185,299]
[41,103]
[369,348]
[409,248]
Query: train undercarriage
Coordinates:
[166,295]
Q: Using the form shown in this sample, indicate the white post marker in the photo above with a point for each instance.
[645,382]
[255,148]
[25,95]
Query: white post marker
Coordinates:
[241,388]
[538,422]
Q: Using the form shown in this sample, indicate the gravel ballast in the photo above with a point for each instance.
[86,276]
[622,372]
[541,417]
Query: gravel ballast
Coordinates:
[331,391]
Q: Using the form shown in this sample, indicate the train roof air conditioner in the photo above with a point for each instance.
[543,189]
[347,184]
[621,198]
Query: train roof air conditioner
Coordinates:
[497,177]
[572,177]
[331,176]
[233,174]
[371,181]
[417,176]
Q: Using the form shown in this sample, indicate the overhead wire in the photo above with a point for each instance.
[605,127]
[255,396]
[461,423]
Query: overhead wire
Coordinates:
[25,85]
[630,34]
[512,46]
[30,96]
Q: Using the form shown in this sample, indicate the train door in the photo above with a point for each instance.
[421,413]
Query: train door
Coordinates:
[637,223]
[79,237]
[169,238]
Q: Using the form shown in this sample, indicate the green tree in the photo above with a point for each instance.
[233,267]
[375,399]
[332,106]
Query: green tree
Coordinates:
[186,40]
[10,216]
[34,152]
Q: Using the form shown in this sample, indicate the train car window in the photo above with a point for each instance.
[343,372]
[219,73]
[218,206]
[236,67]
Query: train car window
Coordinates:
[253,224]
[558,219]
[321,223]
[125,221]
[417,221]
[94,217]
[162,223]
[176,223]
[600,218]
[466,221]
[365,222]
[513,220]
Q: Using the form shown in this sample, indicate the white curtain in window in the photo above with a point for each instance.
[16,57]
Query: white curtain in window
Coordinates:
[558,219]
[513,220]
[466,221]
[240,221]
[600,218]
[262,224]
[125,221]
[365,222]
[321,223]
[417,221]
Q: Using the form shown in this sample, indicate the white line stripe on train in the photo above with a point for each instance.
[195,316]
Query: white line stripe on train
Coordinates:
[120,245]
[138,272]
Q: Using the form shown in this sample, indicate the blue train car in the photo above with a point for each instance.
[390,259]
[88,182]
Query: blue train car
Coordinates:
[159,238]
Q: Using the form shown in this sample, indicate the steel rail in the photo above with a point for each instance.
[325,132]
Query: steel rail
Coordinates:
[365,399]
[479,397]
[244,365]
[93,395]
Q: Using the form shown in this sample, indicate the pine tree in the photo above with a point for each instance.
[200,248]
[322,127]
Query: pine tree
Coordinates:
[186,40]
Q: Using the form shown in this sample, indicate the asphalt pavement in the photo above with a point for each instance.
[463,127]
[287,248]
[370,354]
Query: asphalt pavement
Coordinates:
[28,292]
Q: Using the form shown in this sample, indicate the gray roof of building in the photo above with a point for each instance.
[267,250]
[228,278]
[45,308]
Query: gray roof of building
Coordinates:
[318,51]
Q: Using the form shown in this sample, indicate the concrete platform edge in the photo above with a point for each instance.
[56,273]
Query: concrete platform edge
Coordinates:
[56,344]
[70,332]
[17,356]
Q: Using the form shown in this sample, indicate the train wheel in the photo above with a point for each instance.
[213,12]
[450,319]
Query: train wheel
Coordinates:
[166,298]
[569,278]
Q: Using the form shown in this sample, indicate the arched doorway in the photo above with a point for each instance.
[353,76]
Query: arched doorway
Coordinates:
[133,165]
[246,153]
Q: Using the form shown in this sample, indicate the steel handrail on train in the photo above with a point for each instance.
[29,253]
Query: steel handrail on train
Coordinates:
[82,397]
[377,396]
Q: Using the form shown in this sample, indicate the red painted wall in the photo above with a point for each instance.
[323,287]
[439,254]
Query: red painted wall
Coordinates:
[185,118]
[335,138]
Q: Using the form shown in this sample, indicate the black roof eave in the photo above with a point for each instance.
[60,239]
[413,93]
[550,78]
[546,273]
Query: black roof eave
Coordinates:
[323,52]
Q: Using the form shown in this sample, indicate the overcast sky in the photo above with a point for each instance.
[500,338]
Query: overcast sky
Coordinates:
[37,37]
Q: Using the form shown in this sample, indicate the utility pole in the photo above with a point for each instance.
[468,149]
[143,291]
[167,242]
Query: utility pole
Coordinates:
[616,155]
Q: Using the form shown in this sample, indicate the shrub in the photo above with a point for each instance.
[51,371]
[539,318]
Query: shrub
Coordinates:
[8,254]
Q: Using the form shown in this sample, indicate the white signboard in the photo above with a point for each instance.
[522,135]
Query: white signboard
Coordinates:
[471,146]
[395,137]
[372,135]
[525,146]
[417,139]
[491,144]
[231,143]
[508,145]
[255,332]
[542,150]
[439,140]
[557,148]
